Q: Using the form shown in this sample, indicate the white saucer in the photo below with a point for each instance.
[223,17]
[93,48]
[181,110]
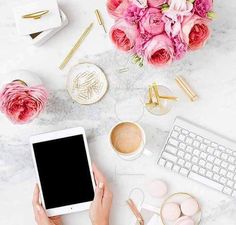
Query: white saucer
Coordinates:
[86,83]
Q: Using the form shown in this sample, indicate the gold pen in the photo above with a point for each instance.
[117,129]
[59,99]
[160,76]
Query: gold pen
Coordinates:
[76,46]
[169,97]
[135,211]
[100,20]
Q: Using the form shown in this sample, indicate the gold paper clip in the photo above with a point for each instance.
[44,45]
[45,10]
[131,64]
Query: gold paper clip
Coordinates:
[35,15]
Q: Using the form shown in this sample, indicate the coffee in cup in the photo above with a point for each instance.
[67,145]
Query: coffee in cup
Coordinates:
[127,138]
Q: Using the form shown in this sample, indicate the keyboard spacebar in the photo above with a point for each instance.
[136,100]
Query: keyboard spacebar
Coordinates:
[205,181]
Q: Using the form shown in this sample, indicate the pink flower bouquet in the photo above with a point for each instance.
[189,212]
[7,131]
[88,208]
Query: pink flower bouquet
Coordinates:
[20,103]
[160,32]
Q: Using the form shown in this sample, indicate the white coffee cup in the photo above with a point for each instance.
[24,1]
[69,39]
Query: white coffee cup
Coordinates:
[128,140]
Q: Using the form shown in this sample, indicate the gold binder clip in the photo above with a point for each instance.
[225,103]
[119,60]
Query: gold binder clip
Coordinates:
[35,15]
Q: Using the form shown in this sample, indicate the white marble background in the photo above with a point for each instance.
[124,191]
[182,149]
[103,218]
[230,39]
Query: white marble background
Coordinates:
[211,72]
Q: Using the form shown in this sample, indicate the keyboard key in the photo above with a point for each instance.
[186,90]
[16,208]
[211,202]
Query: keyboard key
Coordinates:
[181,162]
[210,158]
[209,166]
[188,156]
[173,150]
[189,149]
[202,162]
[203,147]
[174,134]
[184,171]
[162,162]
[199,138]
[227,190]
[234,194]
[192,135]
[169,157]
[231,168]
[189,141]
[217,161]
[209,174]
[223,180]
[203,155]
[181,137]
[217,153]
[206,141]
[195,168]
[177,128]
[176,168]
[196,144]
[230,175]
[230,183]
[205,181]
[194,159]
[182,146]
[216,177]
[224,164]
[169,165]
[202,171]
[224,156]
[180,154]
[222,148]
[229,151]
[214,145]
[231,159]
[210,150]
[188,165]
[173,142]
[196,152]
[216,169]
[185,131]
[223,172]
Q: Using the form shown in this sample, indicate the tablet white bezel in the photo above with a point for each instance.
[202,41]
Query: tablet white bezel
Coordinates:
[57,135]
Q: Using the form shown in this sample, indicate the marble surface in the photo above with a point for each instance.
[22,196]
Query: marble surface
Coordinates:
[211,72]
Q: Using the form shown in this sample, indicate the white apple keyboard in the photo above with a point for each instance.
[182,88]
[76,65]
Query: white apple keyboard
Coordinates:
[201,155]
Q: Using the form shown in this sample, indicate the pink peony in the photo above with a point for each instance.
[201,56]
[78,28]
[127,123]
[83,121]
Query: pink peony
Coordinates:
[174,16]
[141,41]
[180,47]
[202,7]
[196,31]
[152,22]
[22,104]
[156,3]
[123,35]
[159,51]
[116,8]
[134,14]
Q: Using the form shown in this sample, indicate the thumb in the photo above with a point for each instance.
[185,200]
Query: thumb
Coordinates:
[42,215]
[99,192]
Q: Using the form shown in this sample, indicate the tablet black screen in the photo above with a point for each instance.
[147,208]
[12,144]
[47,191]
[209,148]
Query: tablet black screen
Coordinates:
[64,171]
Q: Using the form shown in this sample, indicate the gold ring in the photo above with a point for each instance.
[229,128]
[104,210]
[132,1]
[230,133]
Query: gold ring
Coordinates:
[36,15]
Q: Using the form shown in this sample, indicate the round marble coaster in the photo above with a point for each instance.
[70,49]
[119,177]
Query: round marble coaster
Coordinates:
[86,83]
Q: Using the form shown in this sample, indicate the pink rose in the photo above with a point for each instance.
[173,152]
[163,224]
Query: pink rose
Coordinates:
[152,22]
[134,14]
[123,35]
[159,51]
[180,7]
[156,3]
[22,104]
[202,7]
[116,8]
[196,31]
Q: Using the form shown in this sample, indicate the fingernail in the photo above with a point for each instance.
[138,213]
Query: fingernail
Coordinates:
[100,185]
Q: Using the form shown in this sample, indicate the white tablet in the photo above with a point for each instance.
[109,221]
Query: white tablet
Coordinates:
[63,169]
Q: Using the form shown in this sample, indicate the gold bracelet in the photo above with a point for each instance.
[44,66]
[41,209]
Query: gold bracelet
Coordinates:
[36,15]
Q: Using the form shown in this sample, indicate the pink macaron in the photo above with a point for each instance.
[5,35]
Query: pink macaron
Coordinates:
[157,188]
[171,211]
[189,207]
[184,220]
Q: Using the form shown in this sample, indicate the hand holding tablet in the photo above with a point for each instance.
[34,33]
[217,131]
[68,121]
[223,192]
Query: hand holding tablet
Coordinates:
[64,171]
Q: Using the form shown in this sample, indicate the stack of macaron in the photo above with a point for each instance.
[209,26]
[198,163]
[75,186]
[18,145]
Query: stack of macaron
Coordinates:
[180,214]
[175,212]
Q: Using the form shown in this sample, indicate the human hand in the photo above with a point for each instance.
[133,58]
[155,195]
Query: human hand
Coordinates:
[101,205]
[41,217]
